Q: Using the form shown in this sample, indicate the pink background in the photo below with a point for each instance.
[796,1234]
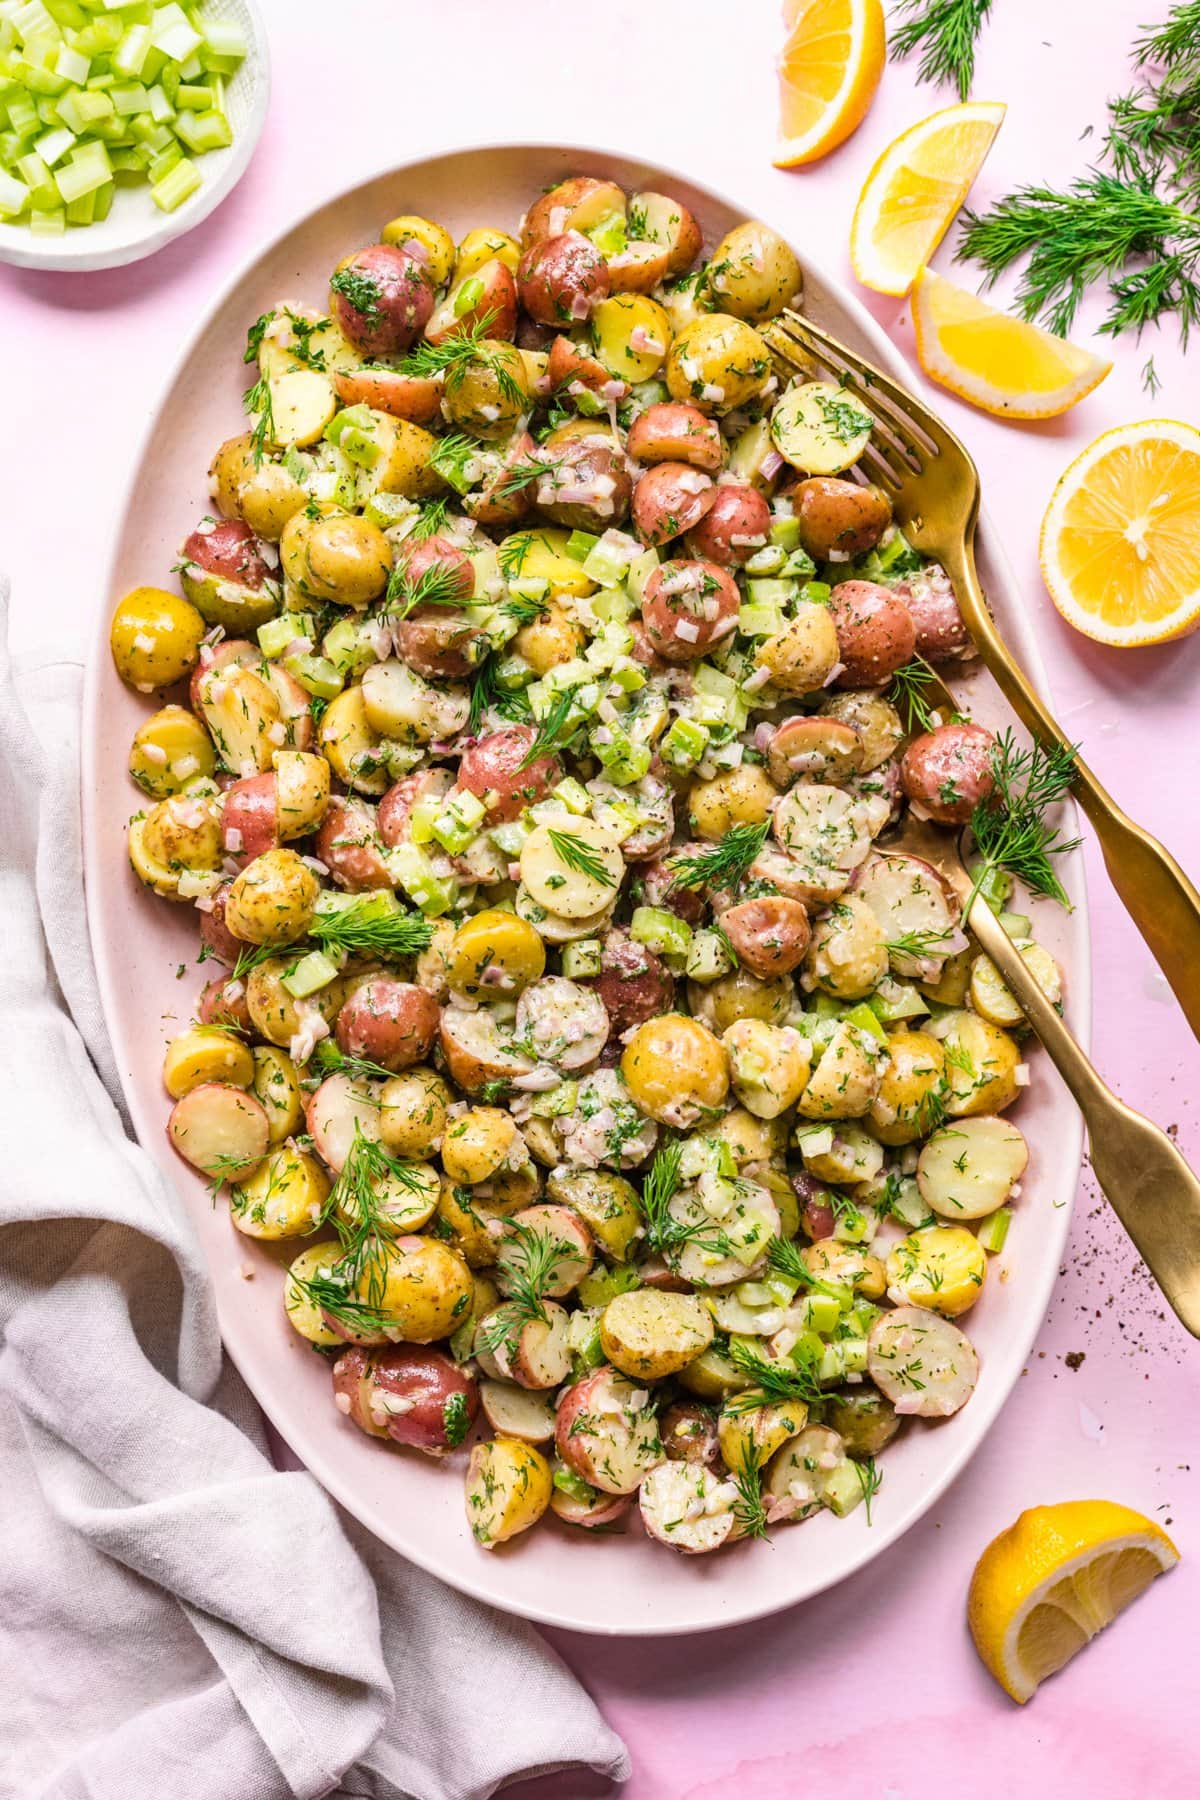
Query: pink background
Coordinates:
[871,1691]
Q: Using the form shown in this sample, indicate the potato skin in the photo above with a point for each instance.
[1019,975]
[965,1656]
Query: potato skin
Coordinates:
[741,796]
[559,279]
[839,518]
[670,499]
[769,935]
[875,633]
[753,273]
[674,432]
[949,770]
[381,297]
[155,638]
[390,1022]
[273,900]
[495,770]
[802,657]
[736,515]
[675,1069]
[716,363]
[509,1486]
[414,1396]
[648,1335]
[676,603]
[427,1290]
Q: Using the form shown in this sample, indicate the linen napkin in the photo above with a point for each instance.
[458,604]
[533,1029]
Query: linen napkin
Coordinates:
[177,1618]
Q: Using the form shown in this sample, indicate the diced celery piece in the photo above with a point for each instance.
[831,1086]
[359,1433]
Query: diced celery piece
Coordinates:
[581,959]
[684,745]
[223,37]
[129,99]
[71,64]
[995,885]
[275,636]
[844,1488]
[821,1313]
[993,1230]
[189,98]
[204,131]
[48,224]
[816,593]
[165,161]
[574,796]
[414,873]
[316,674]
[54,145]
[778,593]
[661,931]
[908,1205]
[22,115]
[866,1020]
[639,572]
[583,1340]
[606,564]
[785,531]
[88,168]
[612,606]
[83,210]
[708,957]
[767,561]
[458,821]
[160,108]
[580,544]
[894,1000]
[312,972]
[799,565]
[380,903]
[760,621]
[609,234]
[102,201]
[556,1102]
[14,195]
[173,33]
[624,760]
[1016,925]
[129,57]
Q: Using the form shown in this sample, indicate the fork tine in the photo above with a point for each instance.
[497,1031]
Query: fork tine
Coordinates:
[812,340]
[907,442]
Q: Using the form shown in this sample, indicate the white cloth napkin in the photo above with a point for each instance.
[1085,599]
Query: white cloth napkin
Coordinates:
[177,1617]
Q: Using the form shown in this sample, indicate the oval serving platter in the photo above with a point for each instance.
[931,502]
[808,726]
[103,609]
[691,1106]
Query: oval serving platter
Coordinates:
[623,1585]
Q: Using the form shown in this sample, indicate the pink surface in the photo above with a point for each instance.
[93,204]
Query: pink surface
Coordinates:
[873,1688]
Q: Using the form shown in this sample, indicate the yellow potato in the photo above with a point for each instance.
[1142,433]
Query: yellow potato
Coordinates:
[712,1376]
[801,657]
[847,954]
[184,832]
[819,428]
[206,1054]
[283,1198]
[433,239]
[874,719]
[404,465]
[277,1086]
[675,1069]
[487,395]
[908,1103]
[276,1015]
[541,555]
[751,1139]
[740,995]
[649,1335]
[337,556]
[769,1065]
[301,791]
[424,1289]
[351,746]
[847,1078]
[261,492]
[155,638]
[717,363]
[852,1155]
[607,1204]
[992,999]
[508,1489]
[303,401]
[981,1066]
[494,955]
[549,640]
[941,1267]
[615,321]
[404,1197]
[465,1221]
[241,711]
[753,273]
[741,796]
[170,750]
[482,246]
[478,1143]
[156,875]
[317,1261]
[849,1265]
[273,900]
[749,452]
[412,1112]
[750,1434]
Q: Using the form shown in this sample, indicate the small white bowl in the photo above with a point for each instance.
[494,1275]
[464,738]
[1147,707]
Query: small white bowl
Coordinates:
[135,227]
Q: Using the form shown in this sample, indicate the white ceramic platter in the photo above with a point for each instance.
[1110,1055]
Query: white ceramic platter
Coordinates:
[619,1584]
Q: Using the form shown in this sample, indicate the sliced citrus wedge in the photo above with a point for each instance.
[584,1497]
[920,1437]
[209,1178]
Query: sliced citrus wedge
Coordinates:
[1120,543]
[1047,1585]
[999,363]
[829,70]
[916,187]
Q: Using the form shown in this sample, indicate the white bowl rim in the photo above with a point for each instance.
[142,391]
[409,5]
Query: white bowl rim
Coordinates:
[85,251]
[326,1469]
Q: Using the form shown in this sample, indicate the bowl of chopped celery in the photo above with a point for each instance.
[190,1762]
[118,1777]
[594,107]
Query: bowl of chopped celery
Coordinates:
[122,128]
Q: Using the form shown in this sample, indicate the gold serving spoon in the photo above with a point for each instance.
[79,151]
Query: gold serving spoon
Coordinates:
[1147,1183]
[934,489]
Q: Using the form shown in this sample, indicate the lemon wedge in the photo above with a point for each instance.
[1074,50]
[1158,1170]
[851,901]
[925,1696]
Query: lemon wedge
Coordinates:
[1120,542]
[829,70]
[909,199]
[1002,364]
[1047,1585]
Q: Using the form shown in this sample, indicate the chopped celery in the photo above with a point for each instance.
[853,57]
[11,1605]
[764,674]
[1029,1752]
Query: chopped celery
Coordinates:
[203,131]
[661,931]
[760,621]
[844,1488]
[606,564]
[820,1313]
[785,532]
[767,561]
[275,636]
[459,820]
[684,745]
[316,674]
[580,544]
[178,185]
[14,195]
[603,1285]
[574,796]
[624,761]
[993,1231]
[581,959]
[866,1020]
[311,973]
[708,957]
[772,593]
[894,1000]
[1016,925]
[414,872]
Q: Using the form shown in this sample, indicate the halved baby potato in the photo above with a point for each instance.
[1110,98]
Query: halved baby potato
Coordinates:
[509,1484]
[968,1169]
[283,1197]
[820,429]
[515,1412]
[220,1130]
[648,1334]
[206,1054]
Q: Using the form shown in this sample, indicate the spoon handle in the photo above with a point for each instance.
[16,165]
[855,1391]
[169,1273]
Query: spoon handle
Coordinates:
[1146,1181]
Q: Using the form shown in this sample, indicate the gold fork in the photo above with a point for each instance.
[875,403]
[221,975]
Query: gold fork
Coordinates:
[1147,1183]
[934,489]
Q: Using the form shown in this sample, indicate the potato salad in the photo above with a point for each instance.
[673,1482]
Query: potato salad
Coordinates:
[538,694]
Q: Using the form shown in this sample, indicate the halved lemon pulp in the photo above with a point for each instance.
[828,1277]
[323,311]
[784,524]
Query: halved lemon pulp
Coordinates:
[829,70]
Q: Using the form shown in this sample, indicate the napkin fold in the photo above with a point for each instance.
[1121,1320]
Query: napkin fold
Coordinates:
[176,1616]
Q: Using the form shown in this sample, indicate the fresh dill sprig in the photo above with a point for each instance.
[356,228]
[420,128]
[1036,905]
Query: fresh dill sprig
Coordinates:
[330,1294]
[431,520]
[531,1260]
[915,943]
[774,1378]
[1133,226]
[945,32]
[258,403]
[364,933]
[359,290]
[555,731]
[908,694]
[518,475]
[1010,828]
[255,336]
[665,1235]
[249,957]
[354,1208]
[467,349]
[437,585]
[870,1480]
[524,610]
[577,855]
[512,551]
[451,456]
[725,864]
[749,1509]
[332,1061]
[301,346]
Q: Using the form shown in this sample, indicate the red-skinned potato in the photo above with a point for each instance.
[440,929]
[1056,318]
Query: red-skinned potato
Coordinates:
[588,488]
[571,362]
[817,1214]
[689,1433]
[413,1395]
[436,565]
[839,518]
[948,771]
[223,572]
[439,642]
[929,597]
[535,1353]
[389,1022]
[492,770]
[335,1113]
[250,818]
[381,298]
[607,1433]
[814,749]
[637,268]
[558,1226]
[579,203]
[414,397]
[633,983]
[349,846]
[875,633]
[600,1509]
[496,501]
[223,1001]
[669,499]
[231,653]
[475,1050]
[393,820]
[659,219]
[485,299]
[736,525]
[215,935]
[687,606]
[220,1130]
[672,431]
[769,936]
[659,889]
[559,279]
